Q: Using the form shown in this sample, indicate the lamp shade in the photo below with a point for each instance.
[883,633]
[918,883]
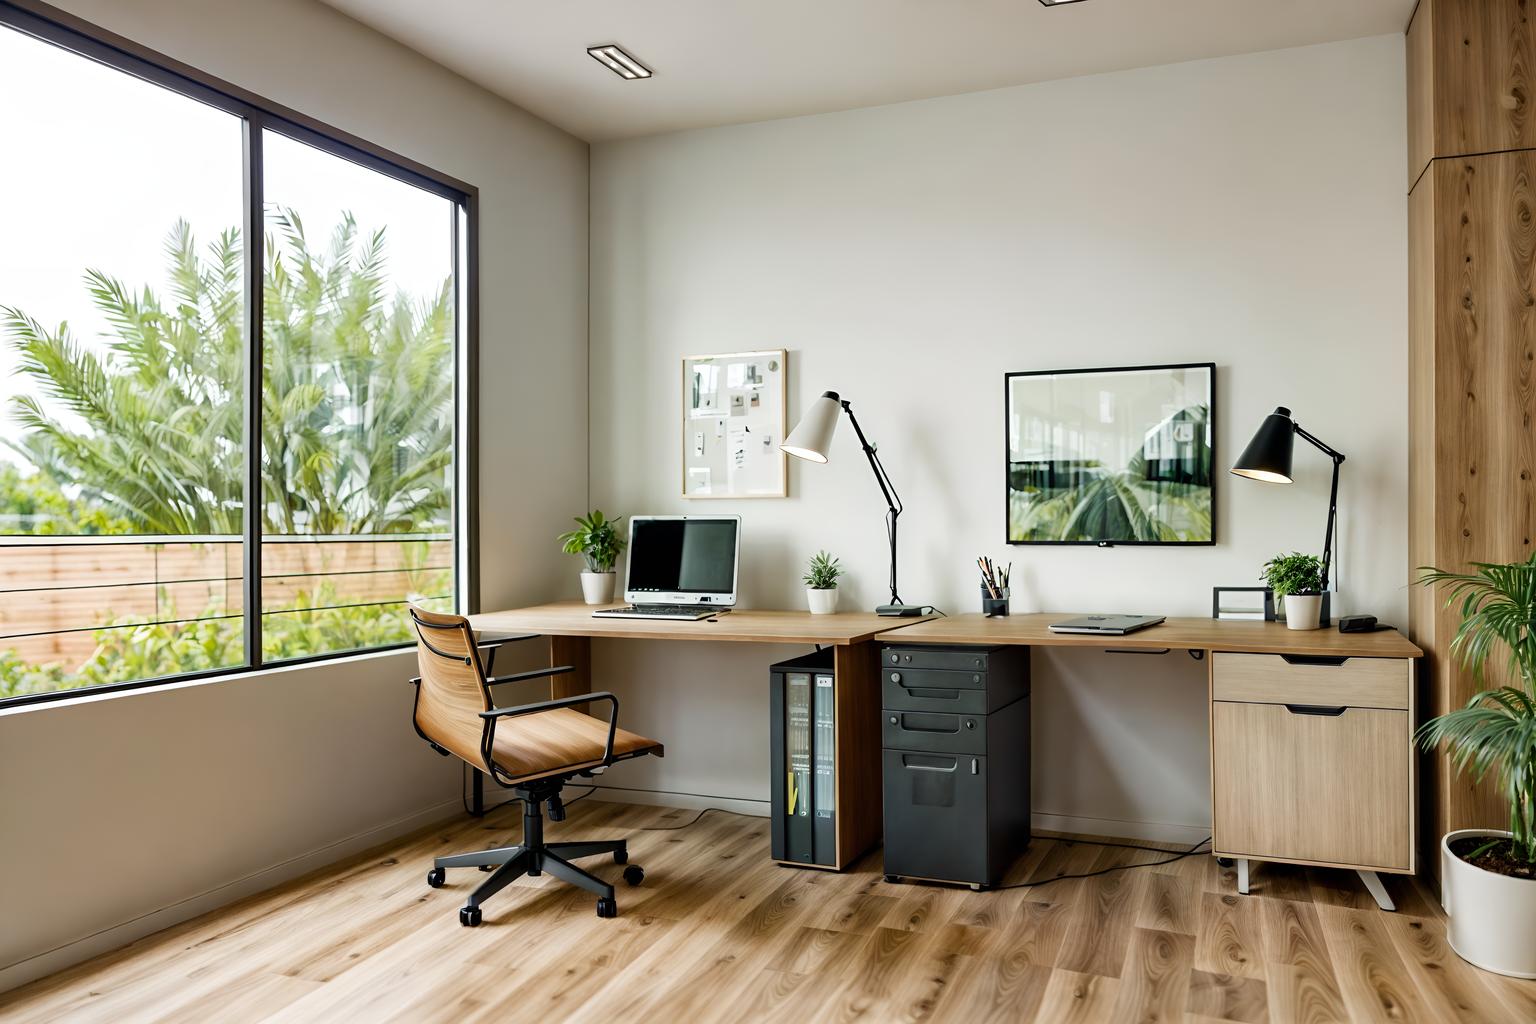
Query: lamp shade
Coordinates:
[812,437]
[1268,455]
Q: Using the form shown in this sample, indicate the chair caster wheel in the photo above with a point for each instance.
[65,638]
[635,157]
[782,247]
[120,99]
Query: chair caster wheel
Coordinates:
[607,907]
[435,878]
[892,879]
[1225,862]
[621,856]
[469,917]
[634,874]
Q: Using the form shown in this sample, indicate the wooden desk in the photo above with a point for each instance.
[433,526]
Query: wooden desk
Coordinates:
[570,628]
[1237,635]
[1311,749]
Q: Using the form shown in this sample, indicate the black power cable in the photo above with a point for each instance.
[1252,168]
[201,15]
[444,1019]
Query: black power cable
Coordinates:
[1192,851]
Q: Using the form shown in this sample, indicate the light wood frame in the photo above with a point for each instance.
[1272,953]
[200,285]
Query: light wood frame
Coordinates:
[783,424]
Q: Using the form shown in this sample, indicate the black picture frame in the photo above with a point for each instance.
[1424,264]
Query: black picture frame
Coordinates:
[1008,465]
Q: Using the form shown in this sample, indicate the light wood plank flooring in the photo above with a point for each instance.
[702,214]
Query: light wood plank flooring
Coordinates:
[718,933]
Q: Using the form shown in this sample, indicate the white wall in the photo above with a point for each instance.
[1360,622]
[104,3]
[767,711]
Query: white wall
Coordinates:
[124,814]
[1247,211]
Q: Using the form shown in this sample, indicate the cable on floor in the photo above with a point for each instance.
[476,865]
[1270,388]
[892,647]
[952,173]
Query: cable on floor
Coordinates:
[1192,851]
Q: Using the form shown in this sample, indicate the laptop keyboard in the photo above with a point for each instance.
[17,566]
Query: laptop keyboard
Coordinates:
[659,611]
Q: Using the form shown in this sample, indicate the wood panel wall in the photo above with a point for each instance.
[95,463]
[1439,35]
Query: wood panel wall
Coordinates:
[1472,337]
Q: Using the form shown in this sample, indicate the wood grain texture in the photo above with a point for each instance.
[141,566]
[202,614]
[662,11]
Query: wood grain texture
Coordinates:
[1421,83]
[572,618]
[1310,788]
[1268,678]
[719,933]
[1474,399]
[858,821]
[1481,64]
[1177,633]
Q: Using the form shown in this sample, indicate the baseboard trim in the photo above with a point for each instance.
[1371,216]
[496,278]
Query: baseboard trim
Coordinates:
[687,801]
[51,961]
[1116,828]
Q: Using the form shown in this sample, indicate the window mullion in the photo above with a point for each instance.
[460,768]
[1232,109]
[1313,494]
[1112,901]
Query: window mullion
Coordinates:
[253,230]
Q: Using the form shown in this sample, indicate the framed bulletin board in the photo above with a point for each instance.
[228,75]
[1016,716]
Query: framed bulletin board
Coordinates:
[733,424]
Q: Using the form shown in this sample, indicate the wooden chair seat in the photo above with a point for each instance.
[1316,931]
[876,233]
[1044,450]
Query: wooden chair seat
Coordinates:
[561,741]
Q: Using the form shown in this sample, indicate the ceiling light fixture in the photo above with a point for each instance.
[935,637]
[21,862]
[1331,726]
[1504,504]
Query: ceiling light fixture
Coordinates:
[613,57]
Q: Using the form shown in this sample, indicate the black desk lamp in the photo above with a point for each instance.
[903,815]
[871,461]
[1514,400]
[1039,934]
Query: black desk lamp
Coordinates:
[1268,458]
[812,439]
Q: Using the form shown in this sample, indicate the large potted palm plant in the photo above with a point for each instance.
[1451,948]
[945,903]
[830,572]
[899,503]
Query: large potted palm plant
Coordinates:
[1488,876]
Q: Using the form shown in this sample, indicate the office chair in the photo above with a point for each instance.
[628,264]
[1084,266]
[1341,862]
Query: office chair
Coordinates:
[533,750]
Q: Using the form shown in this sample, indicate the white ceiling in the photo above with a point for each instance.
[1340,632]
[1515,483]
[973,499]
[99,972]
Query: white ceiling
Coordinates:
[729,61]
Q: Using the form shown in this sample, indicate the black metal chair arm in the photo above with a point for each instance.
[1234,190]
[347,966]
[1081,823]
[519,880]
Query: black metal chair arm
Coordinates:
[488,644]
[496,714]
[531,674]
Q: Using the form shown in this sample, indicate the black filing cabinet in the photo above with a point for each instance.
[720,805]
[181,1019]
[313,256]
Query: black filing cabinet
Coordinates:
[955,748]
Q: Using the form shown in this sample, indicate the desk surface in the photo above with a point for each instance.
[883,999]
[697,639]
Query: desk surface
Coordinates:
[1243,635]
[572,618]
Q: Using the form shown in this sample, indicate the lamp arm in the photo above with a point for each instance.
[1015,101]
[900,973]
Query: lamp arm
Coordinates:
[888,489]
[1333,494]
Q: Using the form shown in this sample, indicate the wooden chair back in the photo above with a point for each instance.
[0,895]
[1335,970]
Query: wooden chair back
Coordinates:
[452,692]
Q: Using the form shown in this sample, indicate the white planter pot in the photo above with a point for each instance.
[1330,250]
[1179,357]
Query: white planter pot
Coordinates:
[1492,916]
[597,587]
[822,602]
[1303,611]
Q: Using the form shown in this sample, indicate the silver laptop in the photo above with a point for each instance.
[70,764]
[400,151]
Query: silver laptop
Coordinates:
[1108,625]
[679,567]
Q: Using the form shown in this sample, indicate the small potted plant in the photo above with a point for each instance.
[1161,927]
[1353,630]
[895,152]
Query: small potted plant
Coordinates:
[1488,876]
[821,583]
[1297,578]
[597,540]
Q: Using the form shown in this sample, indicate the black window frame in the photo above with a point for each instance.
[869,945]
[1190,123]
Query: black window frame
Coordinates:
[257,114]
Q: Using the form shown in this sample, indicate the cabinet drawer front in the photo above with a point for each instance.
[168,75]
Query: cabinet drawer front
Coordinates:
[1350,682]
[954,659]
[920,730]
[1332,788]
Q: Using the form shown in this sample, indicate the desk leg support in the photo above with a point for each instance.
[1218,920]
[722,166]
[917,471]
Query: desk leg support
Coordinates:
[857,750]
[1242,875]
[575,651]
[1378,891]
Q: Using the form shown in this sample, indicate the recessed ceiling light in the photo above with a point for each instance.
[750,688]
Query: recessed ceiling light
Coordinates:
[613,57]
[1058,3]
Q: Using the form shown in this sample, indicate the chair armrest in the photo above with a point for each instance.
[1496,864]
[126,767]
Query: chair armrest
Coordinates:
[488,644]
[531,674]
[495,714]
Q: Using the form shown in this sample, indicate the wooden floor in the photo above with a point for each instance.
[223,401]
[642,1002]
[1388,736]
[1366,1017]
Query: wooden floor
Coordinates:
[717,933]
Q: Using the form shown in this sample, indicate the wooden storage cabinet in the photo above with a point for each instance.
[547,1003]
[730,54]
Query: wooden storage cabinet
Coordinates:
[1312,760]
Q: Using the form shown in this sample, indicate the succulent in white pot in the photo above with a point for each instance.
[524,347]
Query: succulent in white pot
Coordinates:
[820,579]
[1488,875]
[597,540]
[1298,579]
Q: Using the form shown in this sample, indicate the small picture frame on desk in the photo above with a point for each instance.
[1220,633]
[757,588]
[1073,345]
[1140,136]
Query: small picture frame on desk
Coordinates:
[1256,603]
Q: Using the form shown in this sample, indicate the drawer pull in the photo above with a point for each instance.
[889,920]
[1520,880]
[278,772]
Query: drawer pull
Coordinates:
[912,725]
[928,763]
[1137,650]
[932,694]
[1330,660]
[1315,709]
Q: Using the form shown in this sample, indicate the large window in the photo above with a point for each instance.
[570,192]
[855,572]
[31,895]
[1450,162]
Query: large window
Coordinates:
[205,466]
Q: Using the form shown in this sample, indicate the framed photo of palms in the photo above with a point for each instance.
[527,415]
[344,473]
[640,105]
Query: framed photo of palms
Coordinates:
[1124,455]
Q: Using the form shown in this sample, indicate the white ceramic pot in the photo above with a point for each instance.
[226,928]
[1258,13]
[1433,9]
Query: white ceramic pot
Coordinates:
[1492,916]
[597,587]
[822,602]
[1303,611]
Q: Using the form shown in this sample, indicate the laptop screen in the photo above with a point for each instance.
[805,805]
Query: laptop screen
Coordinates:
[682,556]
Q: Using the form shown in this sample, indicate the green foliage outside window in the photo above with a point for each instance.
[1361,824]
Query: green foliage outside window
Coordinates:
[357,433]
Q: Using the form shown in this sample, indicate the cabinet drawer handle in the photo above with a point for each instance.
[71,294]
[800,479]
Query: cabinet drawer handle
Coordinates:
[1315,709]
[1137,650]
[1332,661]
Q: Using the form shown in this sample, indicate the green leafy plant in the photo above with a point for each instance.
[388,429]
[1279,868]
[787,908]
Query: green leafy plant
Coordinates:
[596,539]
[1495,731]
[1295,573]
[823,572]
[357,399]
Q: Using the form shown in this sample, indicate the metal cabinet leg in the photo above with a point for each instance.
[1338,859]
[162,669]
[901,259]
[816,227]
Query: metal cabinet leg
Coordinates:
[1373,885]
[1242,875]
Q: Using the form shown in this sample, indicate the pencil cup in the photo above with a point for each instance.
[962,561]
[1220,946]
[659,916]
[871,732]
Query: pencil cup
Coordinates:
[993,607]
